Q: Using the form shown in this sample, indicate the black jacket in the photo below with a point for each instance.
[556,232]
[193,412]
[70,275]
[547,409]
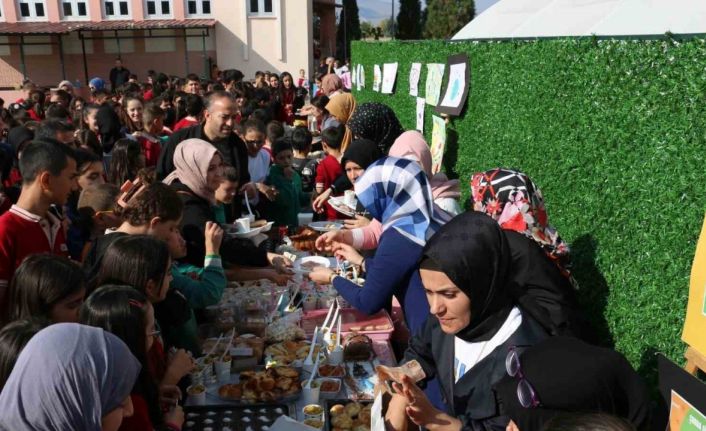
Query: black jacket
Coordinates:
[543,291]
[197,211]
[233,150]
[472,398]
[118,77]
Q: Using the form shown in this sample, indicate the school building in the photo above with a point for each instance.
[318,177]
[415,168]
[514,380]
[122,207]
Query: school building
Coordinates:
[52,40]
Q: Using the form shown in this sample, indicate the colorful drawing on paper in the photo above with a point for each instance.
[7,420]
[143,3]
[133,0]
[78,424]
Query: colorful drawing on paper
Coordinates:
[435,74]
[438,143]
[420,113]
[694,334]
[456,87]
[377,78]
[389,75]
[414,73]
[683,416]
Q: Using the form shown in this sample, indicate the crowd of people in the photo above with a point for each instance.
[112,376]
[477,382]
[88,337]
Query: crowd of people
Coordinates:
[112,243]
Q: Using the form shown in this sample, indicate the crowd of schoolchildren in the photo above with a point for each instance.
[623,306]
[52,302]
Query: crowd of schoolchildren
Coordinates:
[112,245]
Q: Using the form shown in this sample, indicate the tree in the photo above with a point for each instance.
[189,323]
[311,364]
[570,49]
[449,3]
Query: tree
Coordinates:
[348,28]
[409,19]
[366,29]
[386,26]
[446,17]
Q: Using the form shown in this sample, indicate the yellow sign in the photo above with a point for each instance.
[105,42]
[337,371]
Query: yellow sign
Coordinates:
[695,325]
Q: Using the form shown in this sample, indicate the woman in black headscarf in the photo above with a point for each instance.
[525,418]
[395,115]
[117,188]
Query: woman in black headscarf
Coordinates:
[376,122]
[371,122]
[466,272]
[565,375]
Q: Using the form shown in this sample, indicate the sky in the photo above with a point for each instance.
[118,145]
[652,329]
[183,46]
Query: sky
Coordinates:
[376,10]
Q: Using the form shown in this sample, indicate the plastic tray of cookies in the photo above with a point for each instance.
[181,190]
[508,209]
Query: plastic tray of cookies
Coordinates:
[347,414]
[259,417]
[379,326]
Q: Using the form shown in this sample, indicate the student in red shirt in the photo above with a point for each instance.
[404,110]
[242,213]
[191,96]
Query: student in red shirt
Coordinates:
[48,176]
[194,112]
[330,167]
[150,137]
[127,313]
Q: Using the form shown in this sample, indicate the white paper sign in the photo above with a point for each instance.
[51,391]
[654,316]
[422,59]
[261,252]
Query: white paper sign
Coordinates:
[354,74]
[435,74]
[377,78]
[361,77]
[389,74]
[414,74]
[420,113]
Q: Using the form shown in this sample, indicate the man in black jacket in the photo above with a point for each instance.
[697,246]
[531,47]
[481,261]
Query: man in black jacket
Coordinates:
[216,129]
[118,75]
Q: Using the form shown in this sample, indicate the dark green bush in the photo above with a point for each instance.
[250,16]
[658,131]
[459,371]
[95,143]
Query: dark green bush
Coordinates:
[613,132]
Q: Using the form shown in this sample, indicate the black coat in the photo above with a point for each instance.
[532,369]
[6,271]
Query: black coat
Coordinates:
[471,399]
[197,211]
[233,150]
[543,291]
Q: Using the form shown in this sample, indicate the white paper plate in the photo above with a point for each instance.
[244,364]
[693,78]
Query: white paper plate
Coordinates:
[325,226]
[320,260]
[340,206]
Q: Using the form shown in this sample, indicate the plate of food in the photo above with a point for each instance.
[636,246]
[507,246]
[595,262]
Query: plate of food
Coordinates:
[325,226]
[339,205]
[272,384]
[249,234]
[286,352]
[307,264]
[347,414]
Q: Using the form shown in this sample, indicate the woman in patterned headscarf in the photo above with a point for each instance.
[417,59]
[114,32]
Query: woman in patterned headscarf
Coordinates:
[376,122]
[540,255]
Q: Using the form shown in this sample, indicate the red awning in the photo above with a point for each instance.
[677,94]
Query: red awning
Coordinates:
[28,28]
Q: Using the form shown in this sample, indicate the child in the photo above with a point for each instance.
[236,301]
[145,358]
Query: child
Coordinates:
[48,175]
[126,161]
[152,135]
[194,110]
[132,113]
[258,157]
[330,167]
[128,314]
[305,167]
[275,130]
[46,286]
[302,81]
[96,214]
[13,338]
[284,210]
[225,193]
[90,174]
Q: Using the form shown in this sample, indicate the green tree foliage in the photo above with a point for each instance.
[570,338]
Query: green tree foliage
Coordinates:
[409,20]
[348,28]
[366,30]
[446,17]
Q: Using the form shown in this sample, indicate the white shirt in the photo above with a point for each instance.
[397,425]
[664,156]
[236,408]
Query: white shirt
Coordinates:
[258,166]
[467,355]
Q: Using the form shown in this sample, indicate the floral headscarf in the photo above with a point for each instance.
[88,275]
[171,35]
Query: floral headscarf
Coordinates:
[376,122]
[516,203]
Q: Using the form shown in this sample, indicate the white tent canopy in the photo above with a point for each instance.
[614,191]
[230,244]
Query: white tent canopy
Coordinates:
[553,18]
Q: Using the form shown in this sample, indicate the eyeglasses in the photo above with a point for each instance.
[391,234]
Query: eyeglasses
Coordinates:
[525,392]
[253,142]
[154,333]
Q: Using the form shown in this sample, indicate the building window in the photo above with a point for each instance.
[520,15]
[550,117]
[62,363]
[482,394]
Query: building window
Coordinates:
[198,7]
[158,8]
[261,8]
[74,9]
[32,10]
[116,9]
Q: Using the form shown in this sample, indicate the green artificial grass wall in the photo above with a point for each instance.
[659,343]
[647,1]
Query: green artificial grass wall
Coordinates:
[614,134]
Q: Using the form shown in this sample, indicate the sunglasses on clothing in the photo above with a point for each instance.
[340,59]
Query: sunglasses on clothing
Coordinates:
[525,391]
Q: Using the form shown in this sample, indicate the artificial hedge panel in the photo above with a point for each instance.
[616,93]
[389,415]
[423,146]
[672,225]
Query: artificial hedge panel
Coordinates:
[614,134]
